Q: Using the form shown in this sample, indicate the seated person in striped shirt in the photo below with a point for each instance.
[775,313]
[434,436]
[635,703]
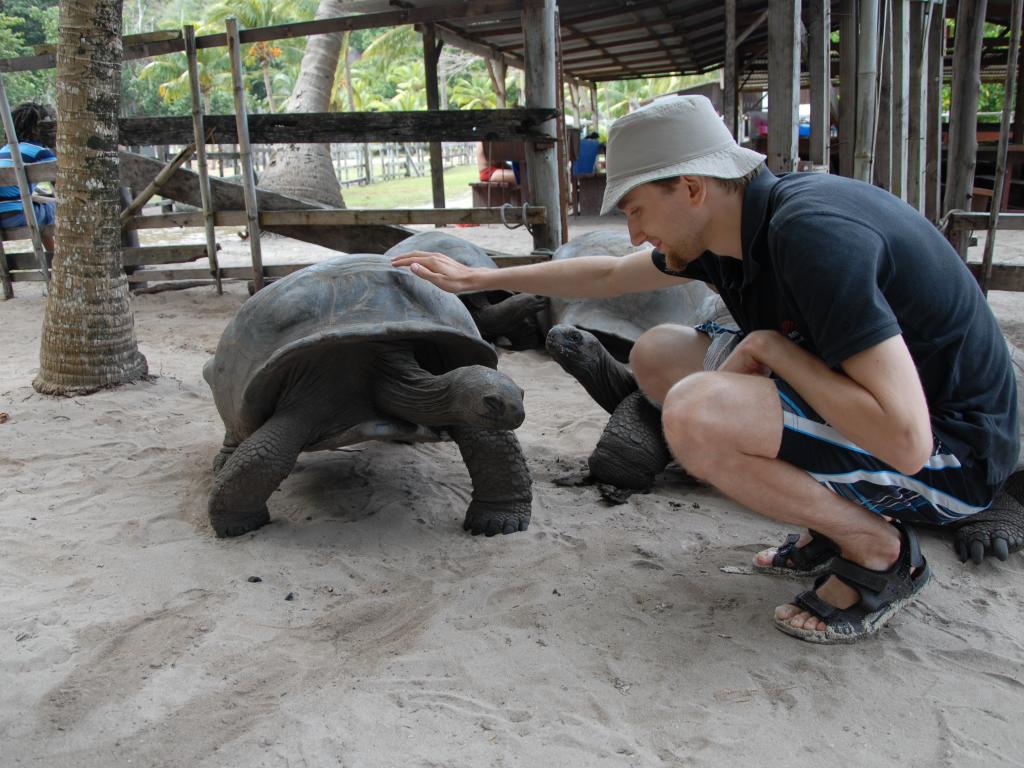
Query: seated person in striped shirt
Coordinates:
[27,117]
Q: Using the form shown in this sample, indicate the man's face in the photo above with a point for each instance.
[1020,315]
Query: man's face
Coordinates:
[666,218]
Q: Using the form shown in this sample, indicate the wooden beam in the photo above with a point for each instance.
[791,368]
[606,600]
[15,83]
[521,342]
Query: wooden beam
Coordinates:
[818,20]
[340,127]
[331,217]
[882,150]
[847,84]
[753,28]
[199,134]
[933,110]
[730,85]
[1004,140]
[867,90]
[541,82]
[34,172]
[431,53]
[154,186]
[783,83]
[245,152]
[134,49]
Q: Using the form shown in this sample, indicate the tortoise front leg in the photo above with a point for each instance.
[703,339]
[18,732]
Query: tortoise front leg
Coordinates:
[632,449]
[226,449]
[502,495]
[238,501]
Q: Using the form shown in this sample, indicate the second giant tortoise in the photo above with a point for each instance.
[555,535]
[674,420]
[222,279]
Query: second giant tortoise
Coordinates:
[349,350]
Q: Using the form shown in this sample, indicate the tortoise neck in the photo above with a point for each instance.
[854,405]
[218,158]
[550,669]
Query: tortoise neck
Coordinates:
[405,389]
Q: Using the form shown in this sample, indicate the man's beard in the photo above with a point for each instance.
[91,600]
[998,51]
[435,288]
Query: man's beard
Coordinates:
[678,258]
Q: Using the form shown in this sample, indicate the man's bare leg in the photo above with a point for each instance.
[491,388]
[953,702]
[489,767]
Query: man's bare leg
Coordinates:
[726,428]
[666,354]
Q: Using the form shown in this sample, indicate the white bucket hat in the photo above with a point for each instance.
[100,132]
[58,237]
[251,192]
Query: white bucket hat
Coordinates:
[673,136]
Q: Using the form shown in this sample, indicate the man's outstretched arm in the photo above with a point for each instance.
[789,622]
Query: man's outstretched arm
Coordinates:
[584,277]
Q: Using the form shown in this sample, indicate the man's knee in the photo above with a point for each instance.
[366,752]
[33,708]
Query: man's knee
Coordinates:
[692,418]
[664,354]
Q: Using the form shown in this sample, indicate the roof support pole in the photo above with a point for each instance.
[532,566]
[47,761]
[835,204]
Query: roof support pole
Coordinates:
[542,158]
[783,83]
[818,20]
[963,112]
[847,84]
[933,109]
[867,89]
[730,86]
[431,54]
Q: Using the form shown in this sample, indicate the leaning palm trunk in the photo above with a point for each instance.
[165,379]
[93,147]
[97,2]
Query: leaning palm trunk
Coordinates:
[305,170]
[88,333]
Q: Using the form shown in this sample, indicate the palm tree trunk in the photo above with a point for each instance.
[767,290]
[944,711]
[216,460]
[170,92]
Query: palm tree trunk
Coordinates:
[88,332]
[306,170]
[267,86]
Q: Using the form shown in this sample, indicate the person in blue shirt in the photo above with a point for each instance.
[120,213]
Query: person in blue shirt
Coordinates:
[27,117]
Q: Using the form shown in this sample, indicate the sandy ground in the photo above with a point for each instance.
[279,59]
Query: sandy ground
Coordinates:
[383,635]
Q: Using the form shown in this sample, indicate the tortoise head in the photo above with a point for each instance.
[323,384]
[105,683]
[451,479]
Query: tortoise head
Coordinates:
[486,398]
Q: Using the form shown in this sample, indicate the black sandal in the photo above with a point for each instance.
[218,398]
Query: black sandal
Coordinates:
[811,559]
[882,594]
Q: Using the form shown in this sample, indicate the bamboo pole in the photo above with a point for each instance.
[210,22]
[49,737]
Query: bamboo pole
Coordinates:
[431,54]
[245,152]
[867,90]
[154,186]
[818,16]
[200,141]
[882,152]
[24,189]
[899,94]
[847,84]
[933,109]
[916,87]
[1004,140]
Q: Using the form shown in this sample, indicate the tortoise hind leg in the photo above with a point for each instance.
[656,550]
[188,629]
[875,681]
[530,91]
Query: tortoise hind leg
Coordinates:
[998,530]
[238,501]
[502,495]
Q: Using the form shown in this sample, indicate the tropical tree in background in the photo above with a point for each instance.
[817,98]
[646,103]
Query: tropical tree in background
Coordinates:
[171,74]
[88,340]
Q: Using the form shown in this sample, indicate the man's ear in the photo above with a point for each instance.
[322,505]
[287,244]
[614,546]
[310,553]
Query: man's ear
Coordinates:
[696,188]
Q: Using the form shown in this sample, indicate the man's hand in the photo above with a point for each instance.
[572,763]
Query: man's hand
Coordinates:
[749,355]
[441,270]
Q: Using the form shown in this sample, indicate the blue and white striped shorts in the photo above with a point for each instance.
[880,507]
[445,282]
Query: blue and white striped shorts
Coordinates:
[941,492]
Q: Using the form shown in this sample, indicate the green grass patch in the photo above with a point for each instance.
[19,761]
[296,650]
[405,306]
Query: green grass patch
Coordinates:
[410,193]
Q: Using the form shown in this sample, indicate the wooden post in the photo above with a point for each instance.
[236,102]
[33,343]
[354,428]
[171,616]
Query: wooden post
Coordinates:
[245,152]
[916,86]
[882,152]
[730,86]
[867,90]
[847,84]
[204,175]
[562,147]
[1018,111]
[783,83]
[542,159]
[24,188]
[5,275]
[431,53]
[593,105]
[900,94]
[933,110]
[818,20]
[963,113]
[1004,140]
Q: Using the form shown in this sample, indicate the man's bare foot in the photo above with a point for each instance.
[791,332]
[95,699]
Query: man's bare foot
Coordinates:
[765,556]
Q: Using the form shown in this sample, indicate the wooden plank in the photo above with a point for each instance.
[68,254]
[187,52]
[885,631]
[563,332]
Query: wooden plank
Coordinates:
[730,85]
[154,186]
[35,172]
[1004,277]
[431,54]
[24,190]
[23,233]
[867,91]
[199,138]
[818,20]
[328,217]
[847,84]
[341,127]
[245,152]
[541,79]
[1004,140]
[183,186]
[131,257]
[916,116]
[933,110]
[140,49]
[968,221]
[783,83]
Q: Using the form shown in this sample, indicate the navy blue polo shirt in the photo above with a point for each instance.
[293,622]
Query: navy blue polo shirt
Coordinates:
[839,266]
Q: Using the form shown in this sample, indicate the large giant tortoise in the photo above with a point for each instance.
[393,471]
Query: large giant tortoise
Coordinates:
[512,319]
[349,350]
